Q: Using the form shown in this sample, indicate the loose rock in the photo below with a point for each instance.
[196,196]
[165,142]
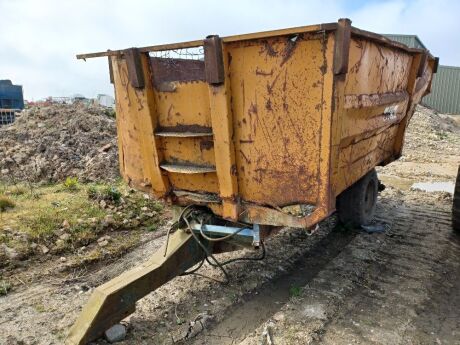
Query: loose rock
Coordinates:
[115,333]
[44,249]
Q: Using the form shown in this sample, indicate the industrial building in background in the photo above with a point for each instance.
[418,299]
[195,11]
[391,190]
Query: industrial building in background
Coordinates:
[445,88]
[11,101]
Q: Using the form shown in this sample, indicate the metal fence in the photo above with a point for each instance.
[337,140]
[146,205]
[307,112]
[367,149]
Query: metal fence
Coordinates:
[7,116]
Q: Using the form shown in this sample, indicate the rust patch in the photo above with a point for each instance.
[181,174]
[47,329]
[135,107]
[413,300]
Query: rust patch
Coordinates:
[249,141]
[169,111]
[206,144]
[268,105]
[263,73]
[168,70]
[252,109]
[284,98]
[272,85]
[360,44]
[248,161]
[323,68]
[285,105]
[267,49]
[289,48]
[373,100]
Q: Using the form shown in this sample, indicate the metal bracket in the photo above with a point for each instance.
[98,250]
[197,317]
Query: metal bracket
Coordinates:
[242,235]
[256,236]
[112,80]
[342,46]
[213,60]
[421,66]
[135,73]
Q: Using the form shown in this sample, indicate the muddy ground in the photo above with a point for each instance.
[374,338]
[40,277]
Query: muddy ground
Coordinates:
[339,286]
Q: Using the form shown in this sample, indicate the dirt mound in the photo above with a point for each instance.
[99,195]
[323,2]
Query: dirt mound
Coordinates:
[48,144]
[428,132]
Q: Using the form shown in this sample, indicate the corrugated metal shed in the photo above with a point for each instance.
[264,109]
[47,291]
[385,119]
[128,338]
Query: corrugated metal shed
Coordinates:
[445,89]
[409,40]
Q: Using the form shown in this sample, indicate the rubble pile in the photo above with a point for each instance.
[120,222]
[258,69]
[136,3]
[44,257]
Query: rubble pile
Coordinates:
[429,133]
[49,144]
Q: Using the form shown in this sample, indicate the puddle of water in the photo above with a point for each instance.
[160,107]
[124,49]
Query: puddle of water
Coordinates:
[396,182]
[407,184]
[435,186]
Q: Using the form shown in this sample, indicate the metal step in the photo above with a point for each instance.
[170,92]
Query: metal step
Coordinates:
[187,169]
[184,131]
[183,134]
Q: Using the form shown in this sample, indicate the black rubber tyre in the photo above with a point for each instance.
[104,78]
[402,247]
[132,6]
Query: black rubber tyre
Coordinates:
[456,205]
[356,205]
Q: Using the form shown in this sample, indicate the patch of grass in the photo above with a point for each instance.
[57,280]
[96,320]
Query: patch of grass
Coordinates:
[441,135]
[39,307]
[40,218]
[106,193]
[71,183]
[111,193]
[152,227]
[5,287]
[233,297]
[295,291]
[18,190]
[110,112]
[50,216]
[92,192]
[6,203]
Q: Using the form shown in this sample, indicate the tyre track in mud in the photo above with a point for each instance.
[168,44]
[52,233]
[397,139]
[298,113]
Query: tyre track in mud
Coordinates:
[401,287]
[417,255]
[255,309]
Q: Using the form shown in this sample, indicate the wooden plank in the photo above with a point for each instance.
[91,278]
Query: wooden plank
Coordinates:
[114,300]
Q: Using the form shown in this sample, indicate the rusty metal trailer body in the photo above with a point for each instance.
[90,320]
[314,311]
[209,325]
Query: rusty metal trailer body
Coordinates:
[260,124]
[266,120]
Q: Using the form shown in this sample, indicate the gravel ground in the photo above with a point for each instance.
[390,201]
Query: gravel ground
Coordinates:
[397,287]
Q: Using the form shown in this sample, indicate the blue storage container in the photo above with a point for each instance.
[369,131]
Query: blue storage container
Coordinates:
[11,96]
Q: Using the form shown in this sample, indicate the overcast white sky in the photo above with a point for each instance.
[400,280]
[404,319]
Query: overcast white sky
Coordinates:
[39,38]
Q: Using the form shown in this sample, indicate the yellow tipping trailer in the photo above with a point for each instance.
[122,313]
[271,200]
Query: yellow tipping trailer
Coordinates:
[254,127]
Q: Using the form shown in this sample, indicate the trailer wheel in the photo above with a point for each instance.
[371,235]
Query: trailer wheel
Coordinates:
[356,205]
[456,205]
